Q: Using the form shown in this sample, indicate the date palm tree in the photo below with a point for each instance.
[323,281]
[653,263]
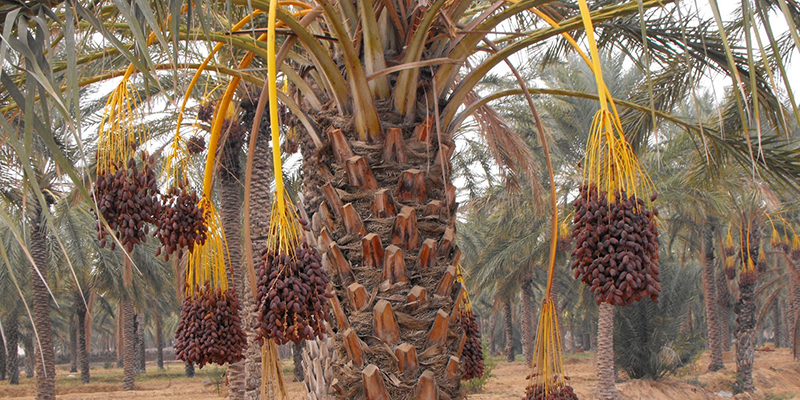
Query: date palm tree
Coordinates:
[379,93]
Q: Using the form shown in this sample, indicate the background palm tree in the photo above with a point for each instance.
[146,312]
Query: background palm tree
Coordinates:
[428,50]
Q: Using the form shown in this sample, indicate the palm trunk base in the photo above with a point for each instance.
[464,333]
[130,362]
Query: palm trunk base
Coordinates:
[606,386]
[45,366]
[711,302]
[83,355]
[12,358]
[509,331]
[527,321]
[745,337]
[128,339]
[188,370]
[317,357]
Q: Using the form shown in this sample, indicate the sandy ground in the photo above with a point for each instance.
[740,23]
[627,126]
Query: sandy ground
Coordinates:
[777,378]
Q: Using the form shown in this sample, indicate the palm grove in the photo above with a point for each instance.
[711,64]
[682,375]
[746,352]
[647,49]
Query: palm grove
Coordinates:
[409,127]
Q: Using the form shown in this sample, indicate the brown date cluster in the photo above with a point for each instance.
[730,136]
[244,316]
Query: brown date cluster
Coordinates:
[196,144]
[730,267]
[210,329]
[128,200]
[181,224]
[472,355]
[616,251]
[536,392]
[205,112]
[761,263]
[748,277]
[293,295]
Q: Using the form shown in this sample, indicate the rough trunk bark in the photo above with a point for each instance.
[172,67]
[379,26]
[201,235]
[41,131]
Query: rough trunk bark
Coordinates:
[318,356]
[724,299]
[606,387]
[188,369]
[159,340]
[777,324]
[30,353]
[73,345]
[297,357]
[785,334]
[230,213]
[508,325]
[136,346]
[2,358]
[128,341]
[528,328]
[260,204]
[710,298]
[11,325]
[83,355]
[397,190]
[140,345]
[87,326]
[490,331]
[745,336]
[118,342]
[794,315]
[45,366]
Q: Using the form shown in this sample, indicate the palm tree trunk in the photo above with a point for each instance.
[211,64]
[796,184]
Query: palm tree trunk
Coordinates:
[606,387]
[745,335]
[136,346]
[785,332]
[260,204]
[777,324]
[793,316]
[87,326]
[11,325]
[73,344]
[490,331]
[83,355]
[231,212]
[723,311]
[318,356]
[140,345]
[159,340]
[30,353]
[527,329]
[2,358]
[188,369]
[710,297]
[509,330]
[297,357]
[118,342]
[45,365]
[128,342]
[382,204]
